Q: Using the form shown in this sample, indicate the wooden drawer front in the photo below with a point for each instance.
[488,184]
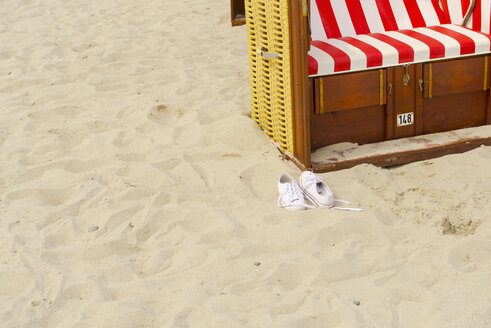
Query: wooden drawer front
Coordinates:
[456,76]
[454,112]
[348,91]
[362,126]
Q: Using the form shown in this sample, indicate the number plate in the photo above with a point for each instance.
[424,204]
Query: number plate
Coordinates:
[405,119]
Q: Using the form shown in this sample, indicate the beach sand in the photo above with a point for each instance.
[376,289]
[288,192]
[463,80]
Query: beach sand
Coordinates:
[135,190]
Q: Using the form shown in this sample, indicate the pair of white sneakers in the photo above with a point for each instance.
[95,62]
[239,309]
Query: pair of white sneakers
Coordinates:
[292,196]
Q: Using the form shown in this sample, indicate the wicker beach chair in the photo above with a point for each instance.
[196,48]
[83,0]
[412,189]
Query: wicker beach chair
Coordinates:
[369,72]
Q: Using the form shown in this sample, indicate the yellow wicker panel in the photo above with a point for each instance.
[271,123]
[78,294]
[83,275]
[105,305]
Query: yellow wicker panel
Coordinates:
[268,30]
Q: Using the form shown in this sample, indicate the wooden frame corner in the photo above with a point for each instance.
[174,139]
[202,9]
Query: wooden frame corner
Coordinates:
[237,11]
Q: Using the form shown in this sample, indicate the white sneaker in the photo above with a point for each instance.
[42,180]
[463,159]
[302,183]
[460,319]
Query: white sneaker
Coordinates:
[291,196]
[319,193]
[316,190]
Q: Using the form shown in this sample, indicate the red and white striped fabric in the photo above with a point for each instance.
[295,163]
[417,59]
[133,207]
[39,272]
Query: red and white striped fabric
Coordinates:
[375,50]
[455,11]
[342,18]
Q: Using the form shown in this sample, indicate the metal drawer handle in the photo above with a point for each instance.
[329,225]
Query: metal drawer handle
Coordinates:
[421,85]
[268,54]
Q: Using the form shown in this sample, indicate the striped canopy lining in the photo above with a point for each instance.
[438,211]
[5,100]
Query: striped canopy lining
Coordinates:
[364,34]
[338,18]
[480,19]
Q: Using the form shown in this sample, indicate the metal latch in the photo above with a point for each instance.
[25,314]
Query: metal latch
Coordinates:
[406,78]
[421,85]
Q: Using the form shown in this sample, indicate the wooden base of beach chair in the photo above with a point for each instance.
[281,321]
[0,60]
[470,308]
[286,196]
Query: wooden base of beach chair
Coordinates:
[395,152]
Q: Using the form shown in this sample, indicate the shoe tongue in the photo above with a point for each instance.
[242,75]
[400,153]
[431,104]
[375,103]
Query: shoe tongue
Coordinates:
[293,191]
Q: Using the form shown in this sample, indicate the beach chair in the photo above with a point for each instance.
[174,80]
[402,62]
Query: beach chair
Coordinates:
[336,83]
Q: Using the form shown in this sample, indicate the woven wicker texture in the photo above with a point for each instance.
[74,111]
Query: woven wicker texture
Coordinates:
[268,31]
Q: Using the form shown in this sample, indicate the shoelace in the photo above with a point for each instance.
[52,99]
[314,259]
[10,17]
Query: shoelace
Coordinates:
[293,195]
[314,179]
[346,208]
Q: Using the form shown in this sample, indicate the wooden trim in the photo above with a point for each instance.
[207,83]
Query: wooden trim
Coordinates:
[488,103]
[389,112]
[488,107]
[305,8]
[430,81]
[315,85]
[299,47]
[426,80]
[404,157]
[418,111]
[237,12]
[312,96]
[382,87]
[488,86]
[238,21]
[321,96]
[488,100]
[293,159]
[486,72]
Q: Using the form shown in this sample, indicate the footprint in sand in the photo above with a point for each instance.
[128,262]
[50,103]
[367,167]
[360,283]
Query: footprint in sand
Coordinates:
[163,115]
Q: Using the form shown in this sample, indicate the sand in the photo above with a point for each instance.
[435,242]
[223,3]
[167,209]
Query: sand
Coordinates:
[135,191]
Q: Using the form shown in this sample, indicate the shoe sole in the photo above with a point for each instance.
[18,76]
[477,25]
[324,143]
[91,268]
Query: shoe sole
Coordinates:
[294,208]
